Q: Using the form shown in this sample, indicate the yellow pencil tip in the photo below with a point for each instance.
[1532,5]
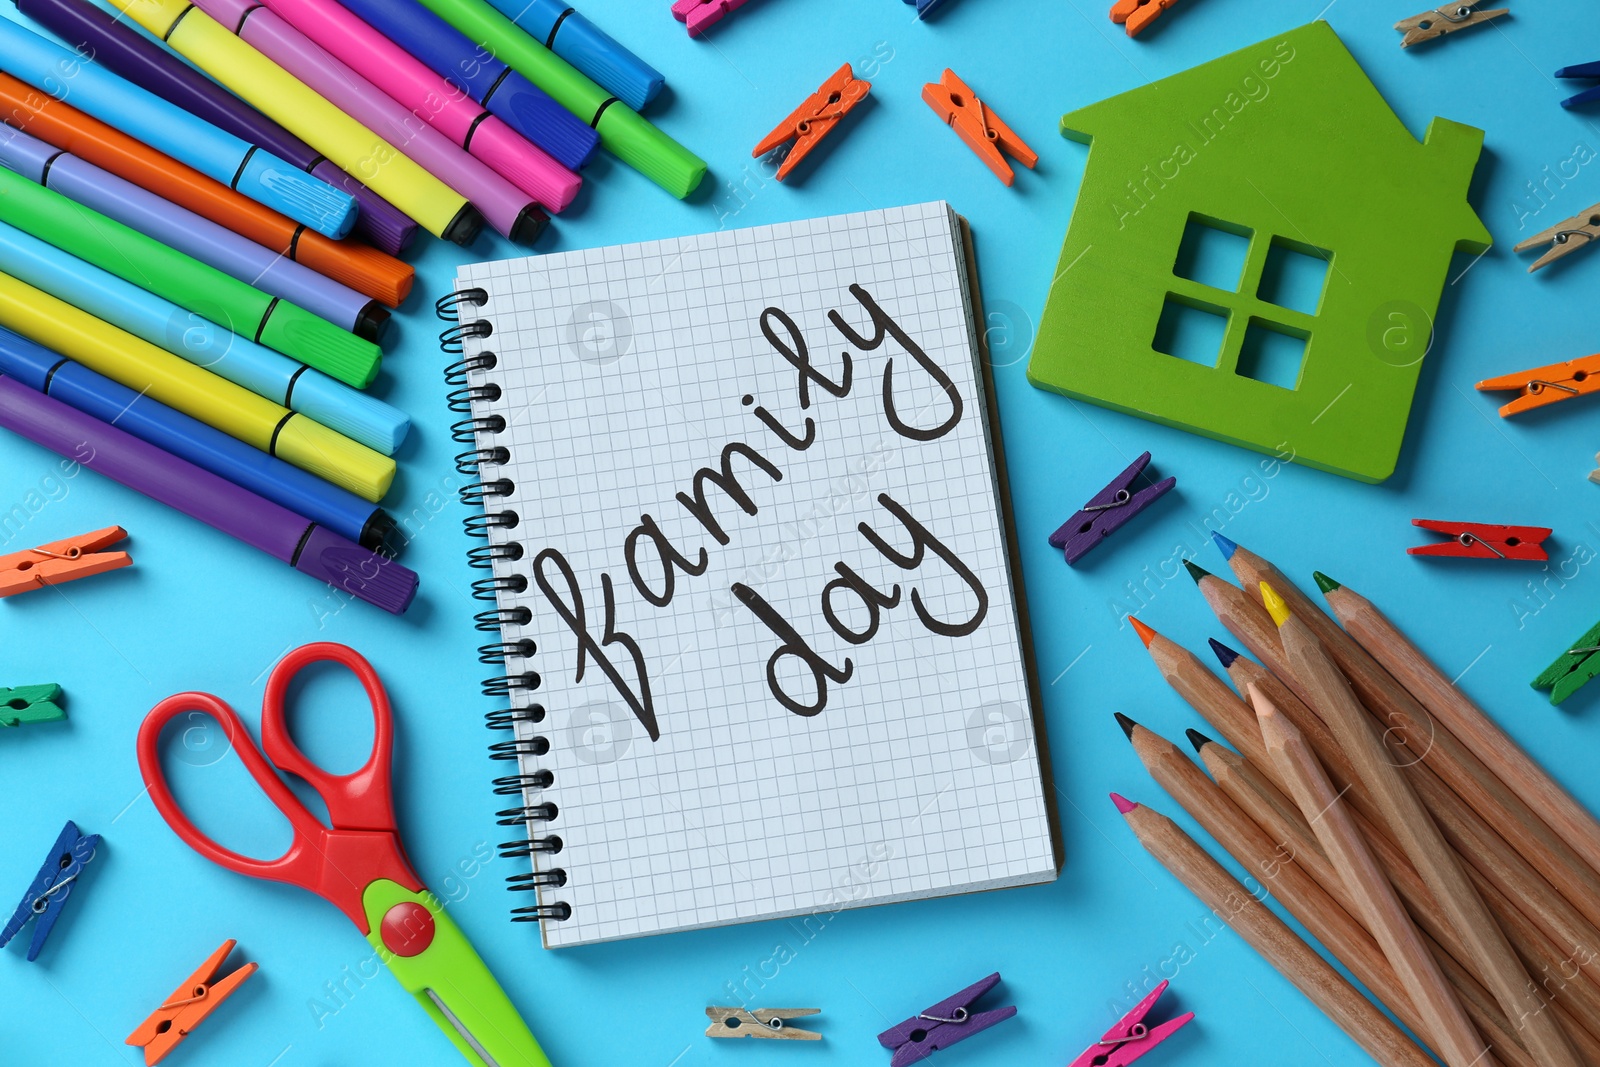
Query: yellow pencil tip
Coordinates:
[1275,604]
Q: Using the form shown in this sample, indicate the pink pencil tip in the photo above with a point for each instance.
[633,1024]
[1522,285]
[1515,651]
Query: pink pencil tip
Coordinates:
[1124,805]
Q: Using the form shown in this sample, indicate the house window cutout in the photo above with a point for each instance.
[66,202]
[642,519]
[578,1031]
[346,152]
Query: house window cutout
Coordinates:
[1271,355]
[1213,253]
[1295,276]
[1192,332]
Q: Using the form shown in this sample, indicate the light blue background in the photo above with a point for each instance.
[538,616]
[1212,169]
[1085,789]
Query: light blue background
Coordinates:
[199,611]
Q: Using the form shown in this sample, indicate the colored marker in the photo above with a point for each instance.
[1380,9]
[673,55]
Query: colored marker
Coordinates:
[359,266]
[124,50]
[586,46]
[150,420]
[165,127]
[189,233]
[525,107]
[196,392]
[185,281]
[177,483]
[502,204]
[189,336]
[622,130]
[440,210]
[394,70]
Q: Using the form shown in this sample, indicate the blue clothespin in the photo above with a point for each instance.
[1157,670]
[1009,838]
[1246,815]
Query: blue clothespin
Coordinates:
[926,7]
[1581,70]
[1110,508]
[950,1021]
[51,887]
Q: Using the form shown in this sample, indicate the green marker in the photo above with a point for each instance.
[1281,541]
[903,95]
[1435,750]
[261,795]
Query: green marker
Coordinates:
[622,130]
[192,285]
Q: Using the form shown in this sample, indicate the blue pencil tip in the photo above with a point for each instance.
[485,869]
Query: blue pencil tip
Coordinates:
[1224,653]
[1228,547]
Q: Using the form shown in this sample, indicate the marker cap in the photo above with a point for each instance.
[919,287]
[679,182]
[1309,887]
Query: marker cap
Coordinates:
[379,223]
[361,573]
[269,180]
[318,343]
[533,113]
[649,151]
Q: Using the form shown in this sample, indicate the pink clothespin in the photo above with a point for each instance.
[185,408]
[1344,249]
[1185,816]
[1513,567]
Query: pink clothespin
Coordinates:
[701,15]
[946,1023]
[1131,1037]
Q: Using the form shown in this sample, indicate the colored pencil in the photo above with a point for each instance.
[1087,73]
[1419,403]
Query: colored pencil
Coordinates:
[1267,934]
[1451,706]
[1494,960]
[1367,887]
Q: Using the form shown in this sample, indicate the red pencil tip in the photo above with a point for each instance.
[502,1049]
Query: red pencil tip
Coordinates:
[1124,805]
[1145,633]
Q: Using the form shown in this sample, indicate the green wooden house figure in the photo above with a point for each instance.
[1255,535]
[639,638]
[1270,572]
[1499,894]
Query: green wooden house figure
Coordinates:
[1257,254]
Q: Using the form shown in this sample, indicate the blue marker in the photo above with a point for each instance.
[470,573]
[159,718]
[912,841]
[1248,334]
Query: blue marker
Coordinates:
[557,26]
[149,420]
[506,94]
[69,77]
[183,333]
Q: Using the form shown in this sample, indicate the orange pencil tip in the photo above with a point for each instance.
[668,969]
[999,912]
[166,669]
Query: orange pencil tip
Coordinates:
[1145,633]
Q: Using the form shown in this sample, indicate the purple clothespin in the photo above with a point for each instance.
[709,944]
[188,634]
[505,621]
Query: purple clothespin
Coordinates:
[947,1022]
[1107,511]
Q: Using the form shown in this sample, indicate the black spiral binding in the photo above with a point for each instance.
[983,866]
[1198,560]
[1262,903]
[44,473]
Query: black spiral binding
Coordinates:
[511,656]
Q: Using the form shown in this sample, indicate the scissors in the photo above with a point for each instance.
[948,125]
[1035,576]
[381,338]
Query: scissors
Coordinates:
[357,864]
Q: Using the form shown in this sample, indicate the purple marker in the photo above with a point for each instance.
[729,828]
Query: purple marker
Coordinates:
[119,47]
[219,503]
[503,205]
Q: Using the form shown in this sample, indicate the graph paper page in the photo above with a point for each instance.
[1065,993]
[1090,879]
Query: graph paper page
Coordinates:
[772,616]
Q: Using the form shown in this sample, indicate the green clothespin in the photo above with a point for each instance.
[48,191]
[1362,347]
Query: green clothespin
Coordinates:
[30,704]
[1573,668]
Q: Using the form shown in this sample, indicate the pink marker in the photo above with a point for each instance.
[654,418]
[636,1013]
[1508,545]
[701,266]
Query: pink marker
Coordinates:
[505,206]
[431,98]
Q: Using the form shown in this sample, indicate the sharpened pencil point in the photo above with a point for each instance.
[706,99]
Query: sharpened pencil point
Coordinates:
[1198,739]
[1196,571]
[1276,607]
[1324,583]
[1126,723]
[1145,633]
[1228,547]
[1224,653]
[1124,805]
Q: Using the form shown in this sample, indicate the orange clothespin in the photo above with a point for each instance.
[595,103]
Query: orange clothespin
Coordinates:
[1546,385]
[188,1006]
[953,101]
[62,561]
[813,120]
[1135,15]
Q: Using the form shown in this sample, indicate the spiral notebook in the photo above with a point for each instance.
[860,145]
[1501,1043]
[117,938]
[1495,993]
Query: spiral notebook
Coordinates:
[759,634]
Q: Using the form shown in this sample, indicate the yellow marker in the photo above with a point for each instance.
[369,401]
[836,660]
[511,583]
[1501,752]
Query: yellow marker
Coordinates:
[295,106]
[1276,607]
[193,390]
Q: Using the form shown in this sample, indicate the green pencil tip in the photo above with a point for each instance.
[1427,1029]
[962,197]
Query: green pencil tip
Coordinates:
[1196,571]
[1324,583]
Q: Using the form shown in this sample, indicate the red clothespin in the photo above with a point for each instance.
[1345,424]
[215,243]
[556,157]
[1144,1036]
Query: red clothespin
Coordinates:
[1546,385]
[1476,540]
[985,134]
[62,561]
[1135,15]
[1131,1038]
[701,15]
[189,1005]
[813,120]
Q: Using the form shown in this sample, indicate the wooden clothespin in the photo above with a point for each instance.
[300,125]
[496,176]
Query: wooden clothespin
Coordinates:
[1476,540]
[1445,19]
[1546,385]
[948,1022]
[1574,668]
[954,102]
[1564,238]
[28,704]
[701,15]
[1135,15]
[1107,511]
[1585,71]
[762,1023]
[189,1005]
[1132,1037]
[62,561]
[48,892]
[813,120]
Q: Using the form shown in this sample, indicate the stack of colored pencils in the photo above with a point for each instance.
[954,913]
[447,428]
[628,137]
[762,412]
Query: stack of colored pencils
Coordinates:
[1389,814]
[181,245]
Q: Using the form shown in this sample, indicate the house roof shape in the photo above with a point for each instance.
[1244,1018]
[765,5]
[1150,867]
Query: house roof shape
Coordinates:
[1288,143]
